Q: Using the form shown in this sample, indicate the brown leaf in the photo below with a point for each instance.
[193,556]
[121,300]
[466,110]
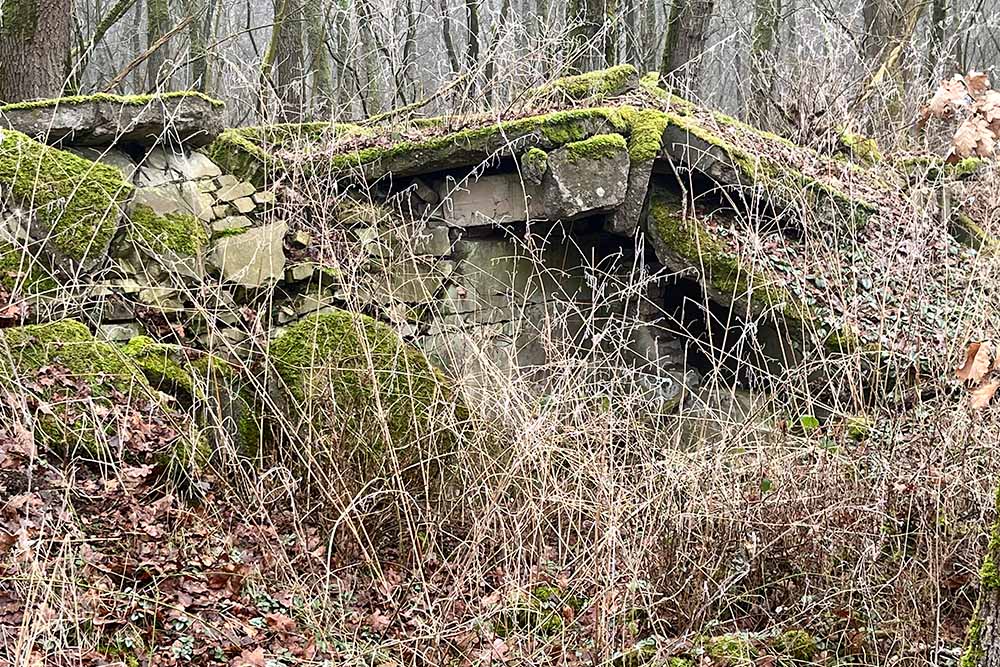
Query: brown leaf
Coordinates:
[977,362]
[248,658]
[280,622]
[377,621]
[949,95]
[980,398]
[969,134]
[977,83]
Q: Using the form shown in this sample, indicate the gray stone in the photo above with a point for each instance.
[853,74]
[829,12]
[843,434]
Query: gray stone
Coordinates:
[298,272]
[625,219]
[230,223]
[226,181]
[414,281]
[111,120]
[254,258]
[111,157]
[425,192]
[244,204]
[576,186]
[221,210]
[120,333]
[301,239]
[176,198]
[229,193]
[193,166]
[432,241]
[490,200]
[264,198]
[207,186]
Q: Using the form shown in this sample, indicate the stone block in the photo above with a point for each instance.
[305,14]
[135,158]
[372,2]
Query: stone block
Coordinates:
[490,200]
[243,205]
[229,193]
[254,258]
[585,178]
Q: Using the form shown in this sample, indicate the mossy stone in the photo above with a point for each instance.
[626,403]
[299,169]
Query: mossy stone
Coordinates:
[76,202]
[377,401]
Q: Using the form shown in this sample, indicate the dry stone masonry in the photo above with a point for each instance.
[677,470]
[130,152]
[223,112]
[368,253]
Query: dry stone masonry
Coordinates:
[617,222]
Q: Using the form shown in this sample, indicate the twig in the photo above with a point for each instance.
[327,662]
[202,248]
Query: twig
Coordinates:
[138,60]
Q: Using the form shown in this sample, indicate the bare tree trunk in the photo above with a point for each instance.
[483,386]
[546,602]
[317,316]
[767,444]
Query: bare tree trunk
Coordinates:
[372,91]
[34,48]
[587,18]
[491,64]
[283,63]
[202,12]
[982,639]
[472,42]
[687,32]
[319,58]
[157,25]
[632,33]
[935,51]
[408,76]
[767,15]
[449,43]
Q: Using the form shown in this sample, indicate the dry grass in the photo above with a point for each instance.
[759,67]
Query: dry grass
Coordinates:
[728,517]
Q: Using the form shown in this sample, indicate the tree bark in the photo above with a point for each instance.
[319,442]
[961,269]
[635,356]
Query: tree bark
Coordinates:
[319,68]
[472,42]
[449,43]
[939,17]
[587,18]
[982,640]
[687,32]
[157,25]
[34,48]
[767,17]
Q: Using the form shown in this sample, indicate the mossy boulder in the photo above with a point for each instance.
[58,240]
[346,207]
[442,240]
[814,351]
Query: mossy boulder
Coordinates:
[79,388]
[176,241]
[211,388]
[102,119]
[429,147]
[376,402]
[23,270]
[72,204]
[599,84]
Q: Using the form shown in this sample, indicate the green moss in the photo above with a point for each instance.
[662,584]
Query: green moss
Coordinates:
[650,82]
[158,362]
[21,270]
[68,423]
[355,380]
[602,83]
[539,611]
[122,100]
[967,232]
[861,148]
[239,152]
[179,233]
[729,649]
[964,167]
[230,231]
[79,201]
[19,17]
[798,645]
[534,162]
[598,147]
[646,129]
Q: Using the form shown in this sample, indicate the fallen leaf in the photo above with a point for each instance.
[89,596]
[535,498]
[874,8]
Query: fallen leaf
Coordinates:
[982,395]
[977,362]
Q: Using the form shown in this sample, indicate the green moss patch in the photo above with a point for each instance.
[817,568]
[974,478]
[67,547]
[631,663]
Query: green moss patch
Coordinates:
[24,271]
[121,100]
[602,83]
[363,388]
[78,201]
[598,147]
[83,380]
[646,128]
[179,233]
